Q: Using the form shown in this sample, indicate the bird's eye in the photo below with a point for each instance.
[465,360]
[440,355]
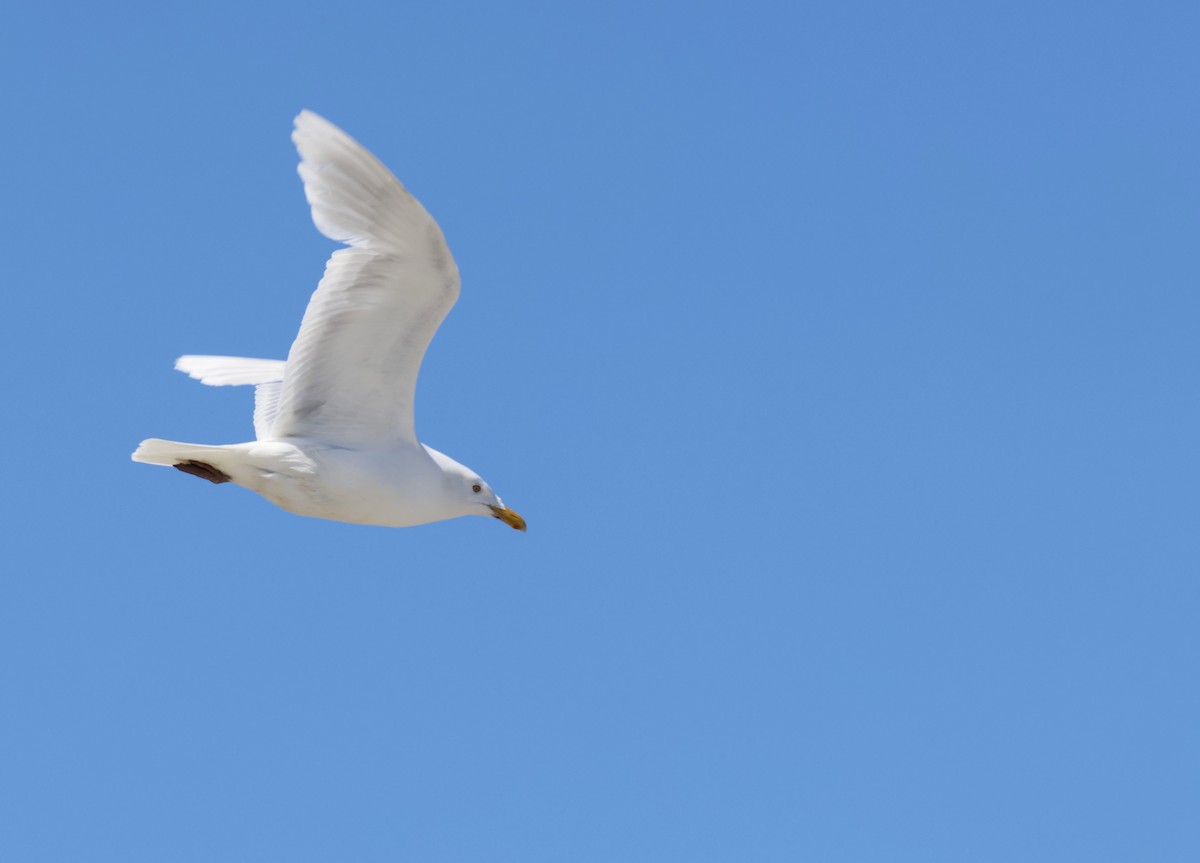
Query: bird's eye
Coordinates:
[477,488]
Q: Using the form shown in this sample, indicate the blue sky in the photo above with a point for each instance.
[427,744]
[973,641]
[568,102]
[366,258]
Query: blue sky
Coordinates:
[841,356]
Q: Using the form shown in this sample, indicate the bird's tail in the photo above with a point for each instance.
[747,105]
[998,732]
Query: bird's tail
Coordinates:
[213,463]
[171,452]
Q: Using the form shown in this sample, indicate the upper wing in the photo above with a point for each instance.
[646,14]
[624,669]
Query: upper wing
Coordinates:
[352,370]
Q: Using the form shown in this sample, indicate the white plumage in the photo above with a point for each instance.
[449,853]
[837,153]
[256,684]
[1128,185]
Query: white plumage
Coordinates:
[334,422]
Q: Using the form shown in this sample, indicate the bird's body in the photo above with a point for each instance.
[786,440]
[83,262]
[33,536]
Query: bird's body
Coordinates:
[334,423]
[389,485]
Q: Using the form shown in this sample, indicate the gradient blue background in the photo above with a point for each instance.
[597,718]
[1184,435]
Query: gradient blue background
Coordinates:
[842,357]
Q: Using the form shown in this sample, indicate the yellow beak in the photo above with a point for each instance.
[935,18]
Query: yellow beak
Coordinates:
[507,516]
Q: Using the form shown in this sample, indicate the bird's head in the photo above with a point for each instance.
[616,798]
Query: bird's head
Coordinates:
[472,492]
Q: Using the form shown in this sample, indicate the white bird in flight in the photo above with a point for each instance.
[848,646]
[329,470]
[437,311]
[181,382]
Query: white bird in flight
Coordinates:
[334,422]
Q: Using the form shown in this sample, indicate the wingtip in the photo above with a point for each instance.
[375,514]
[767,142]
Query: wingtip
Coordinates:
[188,365]
[303,124]
[308,121]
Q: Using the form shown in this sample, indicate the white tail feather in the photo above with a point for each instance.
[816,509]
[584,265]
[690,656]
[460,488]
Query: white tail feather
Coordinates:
[172,452]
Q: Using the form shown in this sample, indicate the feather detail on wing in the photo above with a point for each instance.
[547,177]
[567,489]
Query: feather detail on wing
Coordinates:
[266,409]
[352,371]
[229,371]
[266,375]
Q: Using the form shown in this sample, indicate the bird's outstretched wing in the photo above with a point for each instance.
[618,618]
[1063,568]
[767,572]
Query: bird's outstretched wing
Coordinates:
[266,375]
[352,370]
